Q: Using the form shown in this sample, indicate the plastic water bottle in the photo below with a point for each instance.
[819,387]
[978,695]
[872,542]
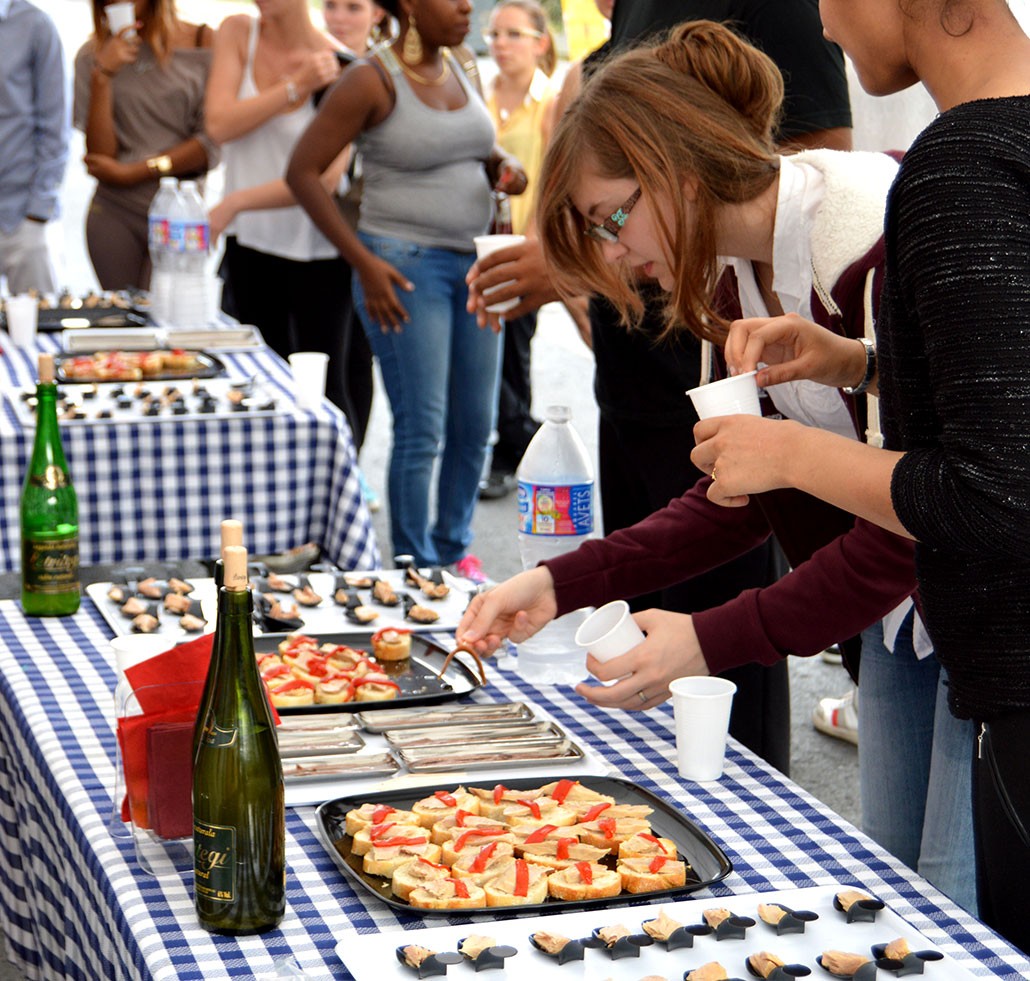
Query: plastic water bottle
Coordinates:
[189,305]
[556,514]
[159,236]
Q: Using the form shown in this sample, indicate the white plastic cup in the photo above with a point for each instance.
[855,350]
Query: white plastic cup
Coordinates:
[121,15]
[133,649]
[732,396]
[609,631]
[309,369]
[22,315]
[485,244]
[701,706]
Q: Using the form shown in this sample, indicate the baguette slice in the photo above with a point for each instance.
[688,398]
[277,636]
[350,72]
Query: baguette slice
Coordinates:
[540,810]
[448,894]
[364,838]
[415,873]
[442,803]
[649,874]
[448,827]
[385,859]
[483,864]
[610,833]
[646,844]
[492,802]
[572,790]
[520,884]
[473,839]
[369,814]
[561,853]
[584,880]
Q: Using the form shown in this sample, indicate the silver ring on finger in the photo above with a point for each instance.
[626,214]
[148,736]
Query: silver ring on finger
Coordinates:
[641,696]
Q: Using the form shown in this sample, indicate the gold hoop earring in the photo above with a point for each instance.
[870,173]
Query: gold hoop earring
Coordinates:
[411,52]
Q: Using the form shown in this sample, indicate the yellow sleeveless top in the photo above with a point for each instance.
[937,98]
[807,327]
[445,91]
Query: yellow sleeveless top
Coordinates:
[521,135]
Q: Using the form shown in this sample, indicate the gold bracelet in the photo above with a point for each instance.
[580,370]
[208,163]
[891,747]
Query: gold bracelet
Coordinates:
[160,166]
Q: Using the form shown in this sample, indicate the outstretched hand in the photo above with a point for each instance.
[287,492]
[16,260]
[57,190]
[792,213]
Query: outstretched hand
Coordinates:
[515,609]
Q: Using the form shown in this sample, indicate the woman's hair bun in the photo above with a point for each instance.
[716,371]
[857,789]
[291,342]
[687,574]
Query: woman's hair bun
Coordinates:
[730,67]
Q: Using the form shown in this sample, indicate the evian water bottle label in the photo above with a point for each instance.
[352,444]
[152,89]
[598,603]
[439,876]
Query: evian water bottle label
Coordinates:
[556,509]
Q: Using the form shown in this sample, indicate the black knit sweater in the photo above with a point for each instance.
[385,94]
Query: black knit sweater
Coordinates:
[954,355]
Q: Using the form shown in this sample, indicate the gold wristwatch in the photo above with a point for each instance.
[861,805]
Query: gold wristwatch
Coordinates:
[160,166]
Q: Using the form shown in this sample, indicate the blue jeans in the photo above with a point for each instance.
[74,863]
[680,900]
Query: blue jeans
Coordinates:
[441,375]
[915,765]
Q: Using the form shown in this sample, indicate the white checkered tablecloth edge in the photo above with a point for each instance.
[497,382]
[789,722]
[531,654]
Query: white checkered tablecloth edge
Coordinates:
[57,754]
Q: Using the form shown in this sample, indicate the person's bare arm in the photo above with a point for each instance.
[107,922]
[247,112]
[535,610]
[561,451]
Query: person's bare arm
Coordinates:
[748,454]
[359,101]
[229,117]
[110,56]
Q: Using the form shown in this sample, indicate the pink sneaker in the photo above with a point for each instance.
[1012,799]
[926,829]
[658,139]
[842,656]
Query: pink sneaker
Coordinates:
[470,568]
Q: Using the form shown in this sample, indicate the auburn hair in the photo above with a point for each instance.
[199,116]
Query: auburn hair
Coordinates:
[699,107]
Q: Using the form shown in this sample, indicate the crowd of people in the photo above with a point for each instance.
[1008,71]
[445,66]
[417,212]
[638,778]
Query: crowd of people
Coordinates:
[692,195]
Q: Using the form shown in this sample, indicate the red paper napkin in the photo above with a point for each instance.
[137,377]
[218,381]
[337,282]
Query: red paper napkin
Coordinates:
[158,765]
[183,663]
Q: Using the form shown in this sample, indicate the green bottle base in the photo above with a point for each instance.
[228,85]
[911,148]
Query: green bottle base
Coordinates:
[49,606]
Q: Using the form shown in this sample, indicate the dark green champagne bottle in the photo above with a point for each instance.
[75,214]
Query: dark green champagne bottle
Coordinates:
[49,514]
[232,534]
[239,817]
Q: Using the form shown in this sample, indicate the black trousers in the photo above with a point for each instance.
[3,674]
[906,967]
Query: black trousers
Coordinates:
[304,306]
[515,424]
[1001,824]
[642,468]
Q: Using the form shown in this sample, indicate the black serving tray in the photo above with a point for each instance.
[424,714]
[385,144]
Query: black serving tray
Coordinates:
[207,366]
[53,320]
[707,862]
[417,675]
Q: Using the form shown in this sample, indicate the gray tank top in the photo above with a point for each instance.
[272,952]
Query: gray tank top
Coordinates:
[425,179]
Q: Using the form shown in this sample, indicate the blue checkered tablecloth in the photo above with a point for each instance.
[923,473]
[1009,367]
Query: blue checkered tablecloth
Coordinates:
[74,903]
[158,490]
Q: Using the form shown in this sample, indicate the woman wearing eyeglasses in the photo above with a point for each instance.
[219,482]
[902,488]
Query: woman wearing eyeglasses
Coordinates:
[521,101]
[664,166]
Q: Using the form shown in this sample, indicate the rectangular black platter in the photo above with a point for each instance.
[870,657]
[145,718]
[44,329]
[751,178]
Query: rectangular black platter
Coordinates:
[707,861]
[52,319]
[208,366]
[417,676]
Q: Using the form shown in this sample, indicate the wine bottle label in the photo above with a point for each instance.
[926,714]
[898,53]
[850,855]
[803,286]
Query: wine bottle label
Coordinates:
[214,862]
[555,509]
[50,565]
[51,478]
[218,737]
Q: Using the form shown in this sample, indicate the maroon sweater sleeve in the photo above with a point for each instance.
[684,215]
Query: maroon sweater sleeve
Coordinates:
[843,588]
[687,537]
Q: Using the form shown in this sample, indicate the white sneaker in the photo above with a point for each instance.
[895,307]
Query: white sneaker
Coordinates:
[838,717]
[832,655]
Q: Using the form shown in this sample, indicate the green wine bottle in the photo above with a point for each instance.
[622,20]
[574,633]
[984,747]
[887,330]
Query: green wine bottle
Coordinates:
[232,534]
[49,514]
[239,817]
